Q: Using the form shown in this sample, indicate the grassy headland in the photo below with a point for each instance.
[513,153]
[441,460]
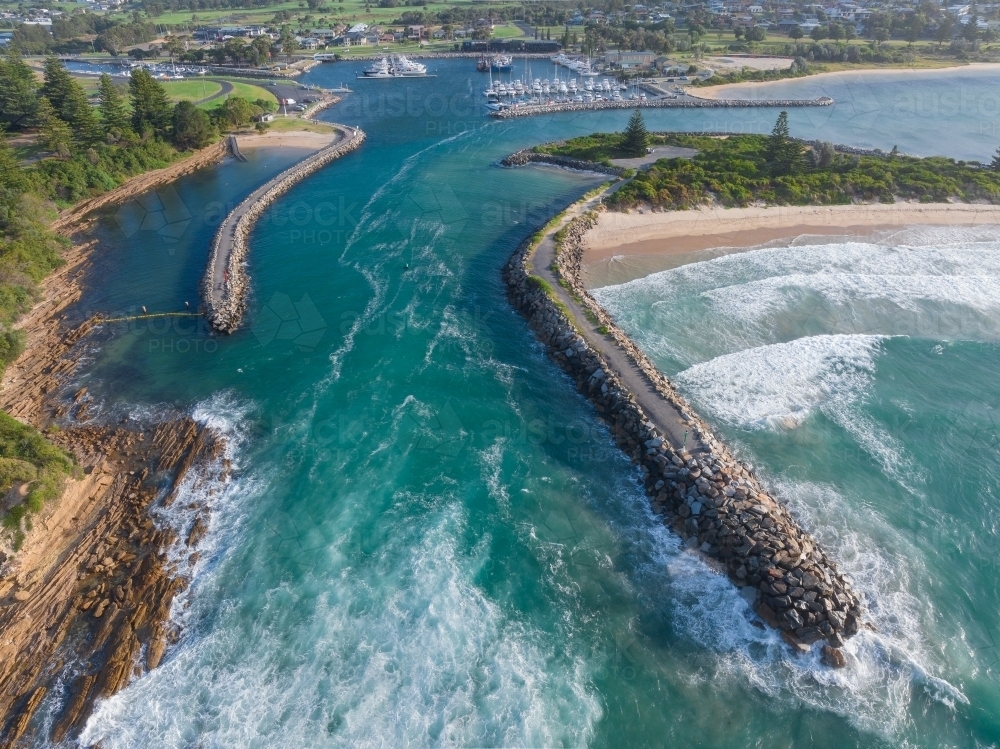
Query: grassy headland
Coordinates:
[739,170]
[32,472]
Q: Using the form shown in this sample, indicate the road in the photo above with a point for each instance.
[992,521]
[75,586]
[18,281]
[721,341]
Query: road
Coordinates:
[664,414]
[227,88]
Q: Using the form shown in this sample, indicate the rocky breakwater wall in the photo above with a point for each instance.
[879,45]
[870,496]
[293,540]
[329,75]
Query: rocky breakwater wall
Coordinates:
[707,496]
[687,103]
[224,307]
[528,156]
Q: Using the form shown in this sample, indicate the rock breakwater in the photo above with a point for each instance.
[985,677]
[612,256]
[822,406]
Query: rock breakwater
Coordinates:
[225,284]
[530,156]
[712,500]
[529,110]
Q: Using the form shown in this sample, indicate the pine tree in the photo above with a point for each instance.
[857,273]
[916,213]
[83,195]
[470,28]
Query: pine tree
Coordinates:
[783,154]
[69,101]
[18,90]
[995,164]
[151,108]
[56,135]
[635,139]
[114,110]
[58,84]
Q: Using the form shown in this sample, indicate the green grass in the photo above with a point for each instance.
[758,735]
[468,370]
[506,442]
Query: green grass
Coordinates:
[598,147]
[30,461]
[507,32]
[248,91]
[350,11]
[191,90]
[296,124]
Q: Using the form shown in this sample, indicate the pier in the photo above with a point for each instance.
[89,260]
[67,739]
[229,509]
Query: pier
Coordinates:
[527,110]
[224,285]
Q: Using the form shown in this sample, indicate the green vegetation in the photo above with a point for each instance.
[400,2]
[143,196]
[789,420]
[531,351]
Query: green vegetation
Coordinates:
[32,472]
[599,147]
[635,139]
[87,151]
[775,169]
[193,90]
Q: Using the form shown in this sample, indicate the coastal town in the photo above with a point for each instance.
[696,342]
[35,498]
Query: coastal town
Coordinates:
[400,372]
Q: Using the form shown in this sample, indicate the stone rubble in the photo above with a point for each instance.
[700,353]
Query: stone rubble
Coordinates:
[530,156]
[711,500]
[530,109]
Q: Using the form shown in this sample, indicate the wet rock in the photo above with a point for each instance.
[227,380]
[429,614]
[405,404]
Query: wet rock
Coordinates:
[833,657]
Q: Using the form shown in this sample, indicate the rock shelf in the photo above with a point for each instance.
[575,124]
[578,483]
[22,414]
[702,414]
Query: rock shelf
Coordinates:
[224,287]
[529,156]
[708,497]
[527,111]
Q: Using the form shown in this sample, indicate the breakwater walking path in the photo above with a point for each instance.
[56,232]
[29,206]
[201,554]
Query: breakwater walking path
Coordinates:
[704,493]
[687,103]
[225,284]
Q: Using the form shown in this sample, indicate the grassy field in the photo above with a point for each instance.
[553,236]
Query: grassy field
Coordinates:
[192,90]
[350,11]
[291,124]
[507,32]
[248,91]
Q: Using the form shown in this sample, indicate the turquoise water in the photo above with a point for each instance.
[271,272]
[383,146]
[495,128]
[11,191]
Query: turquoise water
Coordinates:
[428,538]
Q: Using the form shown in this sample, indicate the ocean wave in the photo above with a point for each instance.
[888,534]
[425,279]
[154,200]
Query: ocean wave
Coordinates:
[427,661]
[742,300]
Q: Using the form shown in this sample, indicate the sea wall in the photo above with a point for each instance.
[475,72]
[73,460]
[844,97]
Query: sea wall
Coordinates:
[527,111]
[712,500]
[529,156]
[231,242]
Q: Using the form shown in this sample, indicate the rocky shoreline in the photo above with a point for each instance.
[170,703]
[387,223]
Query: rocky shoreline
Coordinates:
[530,156]
[225,299]
[529,110]
[706,495]
[85,602]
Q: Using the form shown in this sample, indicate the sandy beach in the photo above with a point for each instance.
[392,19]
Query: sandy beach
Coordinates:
[761,89]
[294,139]
[675,232]
[642,243]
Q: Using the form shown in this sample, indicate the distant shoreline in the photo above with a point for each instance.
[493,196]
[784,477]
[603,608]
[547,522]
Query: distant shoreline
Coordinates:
[720,91]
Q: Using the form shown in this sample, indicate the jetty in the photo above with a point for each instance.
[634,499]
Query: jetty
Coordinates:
[224,286]
[696,486]
[527,110]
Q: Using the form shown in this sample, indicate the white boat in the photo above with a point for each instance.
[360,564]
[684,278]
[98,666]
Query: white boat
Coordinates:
[403,66]
[379,70]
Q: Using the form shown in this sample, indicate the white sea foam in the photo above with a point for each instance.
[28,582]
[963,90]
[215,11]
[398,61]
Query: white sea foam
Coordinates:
[784,383]
[428,660]
[747,299]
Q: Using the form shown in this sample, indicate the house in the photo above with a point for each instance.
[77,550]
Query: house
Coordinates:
[629,60]
[308,42]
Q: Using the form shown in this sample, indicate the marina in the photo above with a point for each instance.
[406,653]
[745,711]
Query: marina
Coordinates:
[396,66]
